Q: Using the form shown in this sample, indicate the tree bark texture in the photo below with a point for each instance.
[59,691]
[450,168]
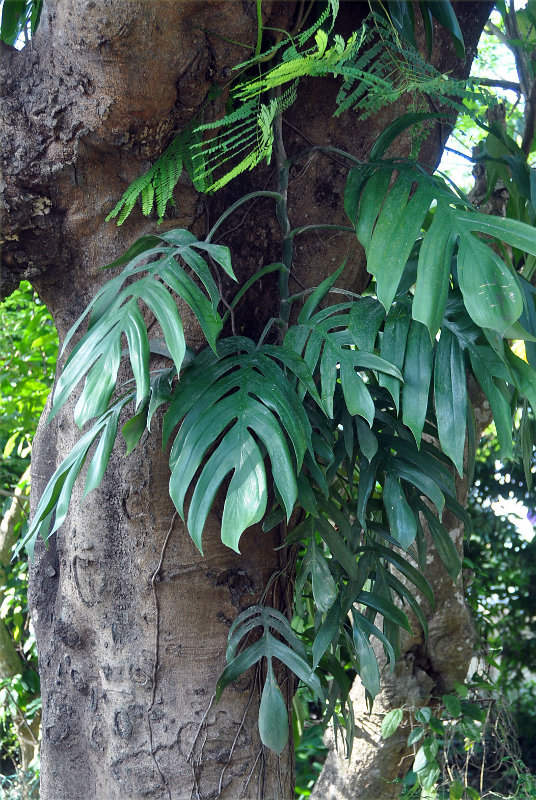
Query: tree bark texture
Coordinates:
[131,621]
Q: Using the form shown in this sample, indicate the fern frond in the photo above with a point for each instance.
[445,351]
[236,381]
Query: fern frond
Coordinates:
[159,181]
[254,137]
[376,67]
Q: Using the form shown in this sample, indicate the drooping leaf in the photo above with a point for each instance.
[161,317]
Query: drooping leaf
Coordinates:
[417,375]
[433,271]
[369,672]
[54,502]
[450,397]
[393,346]
[401,518]
[325,340]
[273,715]
[115,310]
[250,393]
[444,544]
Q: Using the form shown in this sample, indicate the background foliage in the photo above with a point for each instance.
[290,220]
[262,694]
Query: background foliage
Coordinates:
[28,352]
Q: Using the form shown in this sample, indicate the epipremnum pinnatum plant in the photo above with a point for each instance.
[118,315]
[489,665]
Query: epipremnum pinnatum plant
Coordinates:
[354,420]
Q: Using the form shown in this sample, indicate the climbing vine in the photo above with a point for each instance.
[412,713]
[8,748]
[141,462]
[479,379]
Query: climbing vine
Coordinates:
[353,418]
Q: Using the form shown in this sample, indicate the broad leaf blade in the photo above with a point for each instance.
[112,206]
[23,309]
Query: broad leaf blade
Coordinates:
[417,375]
[273,715]
[450,396]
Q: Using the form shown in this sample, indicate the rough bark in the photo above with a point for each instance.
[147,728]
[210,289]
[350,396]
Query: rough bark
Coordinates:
[131,624]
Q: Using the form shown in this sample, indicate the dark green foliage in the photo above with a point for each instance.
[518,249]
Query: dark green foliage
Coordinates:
[322,410]
[356,417]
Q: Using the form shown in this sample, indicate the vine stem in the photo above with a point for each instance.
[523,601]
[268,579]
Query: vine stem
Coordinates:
[282,216]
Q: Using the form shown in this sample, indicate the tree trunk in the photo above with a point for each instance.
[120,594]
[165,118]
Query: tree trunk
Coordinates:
[131,622]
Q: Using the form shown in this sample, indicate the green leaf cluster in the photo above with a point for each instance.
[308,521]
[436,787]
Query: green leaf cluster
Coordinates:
[352,421]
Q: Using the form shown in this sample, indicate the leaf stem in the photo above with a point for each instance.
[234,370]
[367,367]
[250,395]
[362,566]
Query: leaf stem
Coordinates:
[254,278]
[306,228]
[259,28]
[266,330]
[324,149]
[219,222]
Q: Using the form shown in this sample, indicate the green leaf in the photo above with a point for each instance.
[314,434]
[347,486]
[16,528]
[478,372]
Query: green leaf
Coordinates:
[405,595]
[138,351]
[420,480]
[318,295]
[515,233]
[13,20]
[391,721]
[423,714]
[341,552]
[452,704]
[397,227]
[471,793]
[433,271]
[366,317]
[161,392]
[415,735]
[354,183]
[444,13]
[273,715]
[417,375]
[401,518]
[54,502]
[327,632]
[483,368]
[325,338]
[428,774]
[372,198]
[264,403]
[450,397]
[384,607]
[369,628]
[490,290]
[114,311]
[241,664]
[368,666]
[134,429]
[456,790]
[324,587]
[403,566]
[393,346]
[103,451]
[368,443]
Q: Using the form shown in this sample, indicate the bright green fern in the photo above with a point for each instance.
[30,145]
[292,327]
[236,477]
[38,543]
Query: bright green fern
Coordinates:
[375,64]
[157,185]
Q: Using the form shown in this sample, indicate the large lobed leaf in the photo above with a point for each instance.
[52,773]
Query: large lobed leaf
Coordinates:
[242,401]
[115,311]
